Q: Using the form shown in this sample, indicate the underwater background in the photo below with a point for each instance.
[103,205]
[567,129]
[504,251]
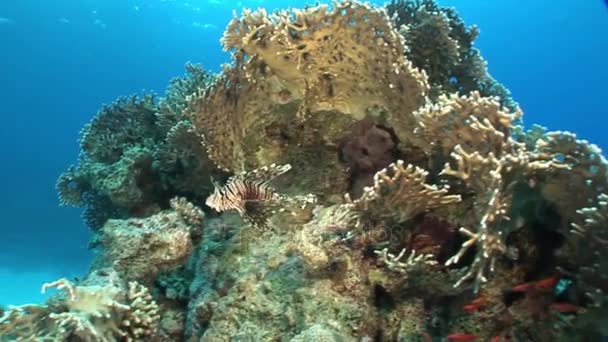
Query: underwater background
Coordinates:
[61,60]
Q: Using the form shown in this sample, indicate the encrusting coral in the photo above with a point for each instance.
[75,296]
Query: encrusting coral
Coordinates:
[411,205]
[143,248]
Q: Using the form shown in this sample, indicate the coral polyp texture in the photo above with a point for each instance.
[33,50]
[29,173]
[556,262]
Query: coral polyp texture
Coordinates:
[401,199]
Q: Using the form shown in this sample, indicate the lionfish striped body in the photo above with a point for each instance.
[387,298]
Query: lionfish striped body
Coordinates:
[250,194]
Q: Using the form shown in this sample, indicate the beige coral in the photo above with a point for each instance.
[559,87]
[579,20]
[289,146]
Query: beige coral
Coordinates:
[400,193]
[307,74]
[142,248]
[473,122]
[586,177]
[190,213]
[490,162]
[89,312]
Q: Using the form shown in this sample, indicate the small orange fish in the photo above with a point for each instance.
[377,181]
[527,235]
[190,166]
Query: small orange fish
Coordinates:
[540,285]
[462,337]
[564,307]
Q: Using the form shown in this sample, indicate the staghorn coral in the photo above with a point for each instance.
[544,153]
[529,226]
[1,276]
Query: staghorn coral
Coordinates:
[583,259]
[114,173]
[118,127]
[494,166]
[472,121]
[411,264]
[584,180]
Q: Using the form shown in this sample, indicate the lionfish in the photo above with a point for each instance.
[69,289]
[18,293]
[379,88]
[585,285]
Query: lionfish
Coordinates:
[250,194]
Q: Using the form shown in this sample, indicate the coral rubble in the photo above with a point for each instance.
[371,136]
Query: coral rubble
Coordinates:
[416,208]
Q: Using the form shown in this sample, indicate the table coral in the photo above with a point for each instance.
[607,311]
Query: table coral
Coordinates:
[307,73]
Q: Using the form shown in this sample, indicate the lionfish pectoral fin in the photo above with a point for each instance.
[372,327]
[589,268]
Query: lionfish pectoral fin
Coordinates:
[257,213]
[265,175]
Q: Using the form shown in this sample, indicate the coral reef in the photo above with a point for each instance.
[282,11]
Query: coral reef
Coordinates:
[137,153]
[400,198]
[108,309]
[142,248]
[439,43]
[297,89]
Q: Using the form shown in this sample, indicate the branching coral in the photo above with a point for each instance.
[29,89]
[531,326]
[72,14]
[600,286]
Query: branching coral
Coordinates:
[136,152]
[440,43]
[400,193]
[494,165]
[408,265]
[172,105]
[117,160]
[118,127]
[585,256]
[105,313]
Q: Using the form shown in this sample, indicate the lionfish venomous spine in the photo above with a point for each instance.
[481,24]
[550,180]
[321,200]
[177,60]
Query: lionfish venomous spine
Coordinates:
[250,194]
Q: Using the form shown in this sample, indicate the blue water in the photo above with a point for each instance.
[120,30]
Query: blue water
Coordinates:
[61,59]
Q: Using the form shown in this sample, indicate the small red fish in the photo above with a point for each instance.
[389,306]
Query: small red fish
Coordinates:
[427,337]
[540,285]
[564,307]
[462,337]
[475,305]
